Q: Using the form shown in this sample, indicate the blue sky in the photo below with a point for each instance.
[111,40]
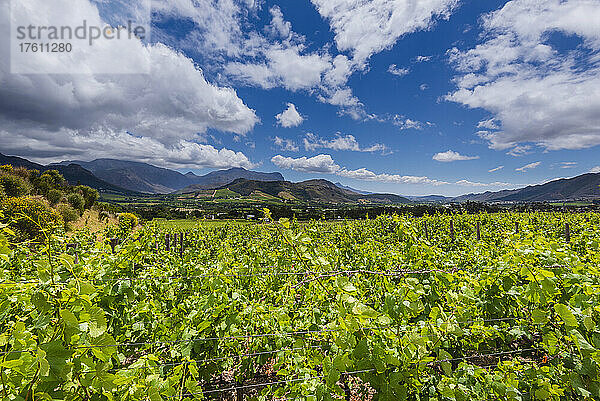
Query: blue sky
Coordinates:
[429,97]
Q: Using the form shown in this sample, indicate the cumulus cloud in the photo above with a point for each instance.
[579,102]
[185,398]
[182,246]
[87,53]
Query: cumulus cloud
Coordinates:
[43,147]
[168,110]
[368,27]
[317,164]
[452,156]
[400,72]
[326,165]
[423,59]
[289,117]
[467,183]
[537,92]
[286,144]
[405,123]
[341,142]
[495,169]
[529,166]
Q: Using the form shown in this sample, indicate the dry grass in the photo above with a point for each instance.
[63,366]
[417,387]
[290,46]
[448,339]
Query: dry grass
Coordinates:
[91,221]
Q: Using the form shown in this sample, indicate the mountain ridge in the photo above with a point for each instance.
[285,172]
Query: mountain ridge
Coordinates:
[316,190]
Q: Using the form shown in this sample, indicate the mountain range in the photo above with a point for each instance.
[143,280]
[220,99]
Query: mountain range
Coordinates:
[146,178]
[322,191]
[111,175]
[582,187]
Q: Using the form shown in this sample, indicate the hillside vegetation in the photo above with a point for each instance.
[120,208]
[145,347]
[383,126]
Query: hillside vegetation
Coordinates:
[34,202]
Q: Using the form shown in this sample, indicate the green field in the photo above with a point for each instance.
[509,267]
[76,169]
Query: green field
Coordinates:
[438,308]
[184,225]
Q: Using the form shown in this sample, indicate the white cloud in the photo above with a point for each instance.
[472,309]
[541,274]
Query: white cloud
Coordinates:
[168,110]
[400,72]
[326,165]
[495,169]
[423,59]
[65,144]
[317,164]
[342,143]
[529,166]
[286,144]
[568,165]
[538,93]
[424,87]
[488,124]
[289,117]
[368,27]
[467,183]
[452,156]
[595,169]
[406,123]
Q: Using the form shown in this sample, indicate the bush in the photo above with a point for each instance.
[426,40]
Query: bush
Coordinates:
[67,212]
[77,201]
[54,196]
[128,221]
[13,185]
[30,216]
[89,194]
[51,179]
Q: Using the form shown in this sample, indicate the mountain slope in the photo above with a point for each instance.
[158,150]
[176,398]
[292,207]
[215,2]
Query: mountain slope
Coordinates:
[144,177]
[135,176]
[358,191]
[73,173]
[321,191]
[219,178]
[586,186]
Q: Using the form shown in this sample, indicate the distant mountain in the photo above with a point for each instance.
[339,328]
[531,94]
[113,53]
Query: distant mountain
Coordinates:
[73,173]
[321,191]
[146,178]
[219,178]
[358,191]
[135,176]
[583,187]
[430,198]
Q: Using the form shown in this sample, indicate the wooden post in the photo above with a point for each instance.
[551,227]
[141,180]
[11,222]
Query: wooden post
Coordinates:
[167,244]
[113,243]
[426,232]
[517,227]
[478,231]
[181,245]
[567,232]
[452,230]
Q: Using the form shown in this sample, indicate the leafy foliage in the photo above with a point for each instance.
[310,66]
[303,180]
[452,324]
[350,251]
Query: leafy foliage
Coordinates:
[317,307]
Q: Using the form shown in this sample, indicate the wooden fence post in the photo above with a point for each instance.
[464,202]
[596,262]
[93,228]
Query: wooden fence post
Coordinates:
[452,229]
[426,232]
[478,231]
[181,245]
[516,227]
[167,243]
[567,232]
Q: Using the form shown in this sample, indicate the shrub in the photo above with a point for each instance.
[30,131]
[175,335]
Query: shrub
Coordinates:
[76,200]
[89,194]
[67,212]
[127,221]
[30,216]
[51,179]
[54,196]
[14,185]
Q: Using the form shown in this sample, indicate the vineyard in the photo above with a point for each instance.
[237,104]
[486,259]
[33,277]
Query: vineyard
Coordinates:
[464,307]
